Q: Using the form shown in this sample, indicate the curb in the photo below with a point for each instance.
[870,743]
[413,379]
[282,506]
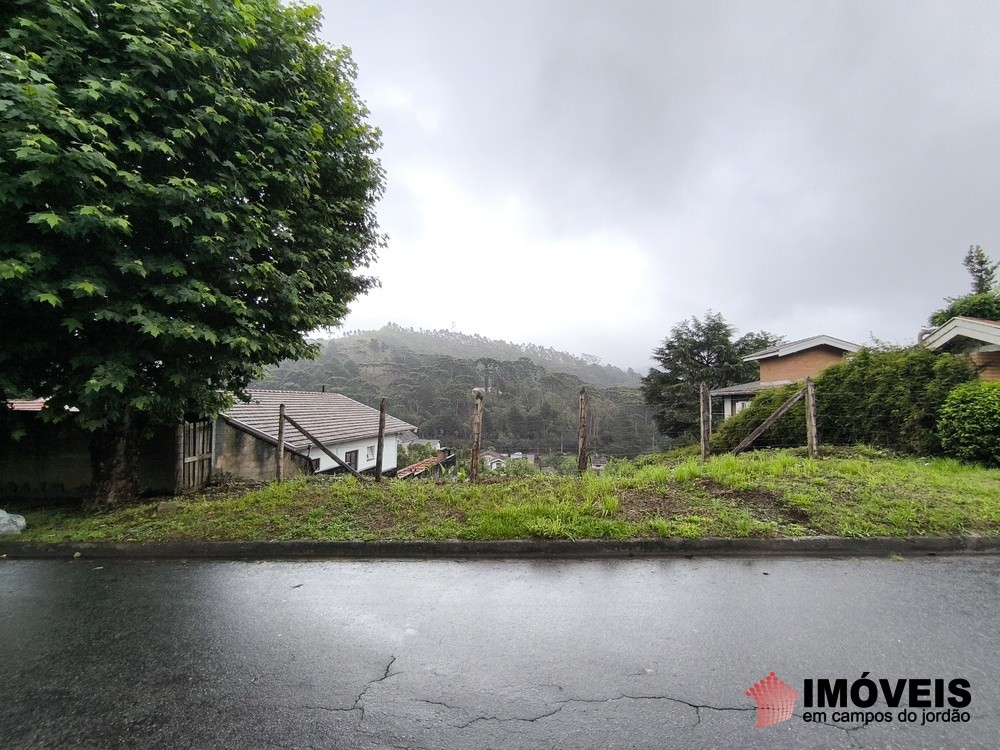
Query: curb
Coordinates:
[528,549]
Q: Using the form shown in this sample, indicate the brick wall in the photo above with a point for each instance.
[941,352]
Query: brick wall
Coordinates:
[800,365]
[990,361]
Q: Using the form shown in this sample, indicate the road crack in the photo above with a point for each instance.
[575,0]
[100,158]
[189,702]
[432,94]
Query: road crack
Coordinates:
[359,702]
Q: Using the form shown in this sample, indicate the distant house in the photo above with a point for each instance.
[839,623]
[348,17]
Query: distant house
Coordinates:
[493,460]
[529,457]
[783,364]
[52,461]
[346,427]
[409,438]
[976,337]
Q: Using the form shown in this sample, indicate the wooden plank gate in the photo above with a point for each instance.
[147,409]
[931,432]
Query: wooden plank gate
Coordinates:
[195,455]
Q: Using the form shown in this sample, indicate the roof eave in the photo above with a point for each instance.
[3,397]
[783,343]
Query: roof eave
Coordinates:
[795,347]
[976,329]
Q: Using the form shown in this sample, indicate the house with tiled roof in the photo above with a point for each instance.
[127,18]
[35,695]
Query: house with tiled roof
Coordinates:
[246,434]
[783,364]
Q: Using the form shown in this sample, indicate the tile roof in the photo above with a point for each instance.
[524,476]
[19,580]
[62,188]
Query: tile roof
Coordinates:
[418,468]
[331,417]
[37,404]
[18,404]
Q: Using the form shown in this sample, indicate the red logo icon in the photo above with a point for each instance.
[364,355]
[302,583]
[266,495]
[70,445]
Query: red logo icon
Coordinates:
[775,700]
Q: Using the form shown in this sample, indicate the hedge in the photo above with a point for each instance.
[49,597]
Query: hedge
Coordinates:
[969,422]
[884,397]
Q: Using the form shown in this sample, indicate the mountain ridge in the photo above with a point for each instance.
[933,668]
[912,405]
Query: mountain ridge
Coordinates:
[444,342]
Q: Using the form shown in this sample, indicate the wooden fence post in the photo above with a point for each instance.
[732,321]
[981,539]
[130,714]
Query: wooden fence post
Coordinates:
[381,441]
[581,451]
[706,421]
[812,435]
[180,446]
[477,432]
[281,443]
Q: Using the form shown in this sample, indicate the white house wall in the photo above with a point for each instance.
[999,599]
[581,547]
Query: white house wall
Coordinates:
[361,446]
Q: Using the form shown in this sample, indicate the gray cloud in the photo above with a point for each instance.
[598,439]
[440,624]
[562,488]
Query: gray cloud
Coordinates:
[807,167]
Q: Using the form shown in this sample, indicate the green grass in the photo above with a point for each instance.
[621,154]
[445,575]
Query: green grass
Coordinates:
[851,493]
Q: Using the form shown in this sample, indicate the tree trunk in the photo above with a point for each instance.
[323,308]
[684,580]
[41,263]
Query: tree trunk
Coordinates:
[114,464]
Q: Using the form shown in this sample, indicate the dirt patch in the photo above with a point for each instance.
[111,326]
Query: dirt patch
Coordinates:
[763,504]
[636,506]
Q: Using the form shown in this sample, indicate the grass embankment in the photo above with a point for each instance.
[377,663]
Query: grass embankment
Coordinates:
[769,493]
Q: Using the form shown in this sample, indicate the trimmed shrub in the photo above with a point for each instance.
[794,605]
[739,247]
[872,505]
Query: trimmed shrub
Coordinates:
[969,423]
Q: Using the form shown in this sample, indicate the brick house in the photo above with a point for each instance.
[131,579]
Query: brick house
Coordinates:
[246,434]
[783,364]
[976,337]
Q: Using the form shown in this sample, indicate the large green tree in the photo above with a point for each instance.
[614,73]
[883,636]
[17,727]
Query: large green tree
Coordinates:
[696,352]
[187,188]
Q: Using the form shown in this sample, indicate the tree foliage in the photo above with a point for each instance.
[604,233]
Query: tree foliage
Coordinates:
[985,305]
[698,351]
[449,343]
[981,268]
[186,189]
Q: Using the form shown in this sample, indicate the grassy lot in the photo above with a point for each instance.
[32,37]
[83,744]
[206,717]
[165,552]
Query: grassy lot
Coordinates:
[768,493]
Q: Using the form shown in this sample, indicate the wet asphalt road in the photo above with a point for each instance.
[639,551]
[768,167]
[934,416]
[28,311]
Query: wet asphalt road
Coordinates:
[436,654]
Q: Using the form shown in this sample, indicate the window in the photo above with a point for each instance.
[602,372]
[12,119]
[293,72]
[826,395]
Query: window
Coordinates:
[351,459]
[370,453]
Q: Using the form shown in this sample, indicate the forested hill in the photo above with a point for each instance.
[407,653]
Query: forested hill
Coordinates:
[528,407]
[467,346]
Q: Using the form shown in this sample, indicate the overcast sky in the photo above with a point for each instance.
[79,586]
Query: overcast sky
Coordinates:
[585,174]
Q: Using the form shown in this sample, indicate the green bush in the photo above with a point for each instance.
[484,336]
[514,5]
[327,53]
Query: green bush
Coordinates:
[969,423]
[985,305]
[887,398]
[790,430]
